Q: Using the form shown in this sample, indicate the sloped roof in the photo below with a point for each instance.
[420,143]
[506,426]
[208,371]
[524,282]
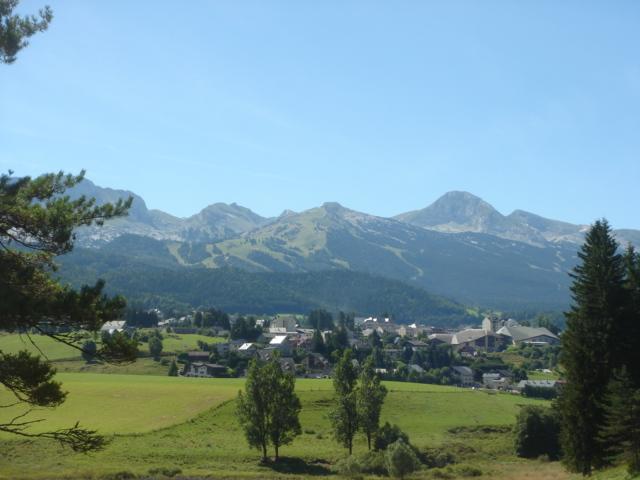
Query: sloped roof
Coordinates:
[443,337]
[278,340]
[520,333]
[470,335]
[462,370]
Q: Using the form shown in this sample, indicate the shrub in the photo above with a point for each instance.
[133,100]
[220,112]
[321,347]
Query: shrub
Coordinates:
[388,434]
[164,471]
[155,347]
[401,459]
[89,349]
[537,432]
[467,471]
[350,467]
[437,458]
[354,466]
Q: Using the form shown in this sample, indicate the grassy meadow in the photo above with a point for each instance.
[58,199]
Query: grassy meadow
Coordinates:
[169,422]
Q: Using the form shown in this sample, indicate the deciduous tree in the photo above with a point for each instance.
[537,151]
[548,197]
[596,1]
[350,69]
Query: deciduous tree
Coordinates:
[370,395]
[344,416]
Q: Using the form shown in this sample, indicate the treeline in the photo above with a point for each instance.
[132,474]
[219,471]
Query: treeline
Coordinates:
[245,292]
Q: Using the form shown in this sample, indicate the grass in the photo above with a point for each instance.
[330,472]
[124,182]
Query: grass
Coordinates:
[142,366]
[184,342]
[190,424]
[54,350]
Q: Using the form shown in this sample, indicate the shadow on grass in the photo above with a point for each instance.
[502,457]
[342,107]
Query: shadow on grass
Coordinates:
[298,466]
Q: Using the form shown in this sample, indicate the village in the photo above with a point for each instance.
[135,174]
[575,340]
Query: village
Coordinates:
[470,357]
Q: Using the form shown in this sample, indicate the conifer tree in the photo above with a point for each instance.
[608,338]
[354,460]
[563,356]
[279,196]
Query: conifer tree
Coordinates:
[344,416]
[621,431]
[370,395]
[588,346]
[630,341]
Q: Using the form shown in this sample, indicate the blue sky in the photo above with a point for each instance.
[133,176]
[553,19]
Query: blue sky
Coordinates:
[381,106]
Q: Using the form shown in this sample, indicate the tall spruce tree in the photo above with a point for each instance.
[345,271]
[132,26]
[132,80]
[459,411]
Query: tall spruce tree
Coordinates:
[588,346]
[631,339]
[621,432]
[344,416]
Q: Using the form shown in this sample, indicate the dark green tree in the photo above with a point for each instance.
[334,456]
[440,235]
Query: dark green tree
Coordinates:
[15,29]
[537,432]
[268,410]
[36,224]
[321,319]
[173,369]
[253,409]
[589,346]
[630,342]
[344,416]
[155,347]
[621,431]
[89,350]
[284,424]
[370,395]
[317,342]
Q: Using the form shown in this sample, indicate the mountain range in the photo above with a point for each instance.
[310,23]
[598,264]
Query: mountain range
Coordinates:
[458,247]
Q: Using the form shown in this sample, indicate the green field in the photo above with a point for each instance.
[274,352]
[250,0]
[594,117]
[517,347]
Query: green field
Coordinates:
[52,349]
[190,424]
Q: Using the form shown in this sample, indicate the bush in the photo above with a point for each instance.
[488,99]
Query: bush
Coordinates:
[155,347]
[354,466]
[388,434]
[537,432]
[350,467]
[89,350]
[467,471]
[437,458]
[164,471]
[401,459]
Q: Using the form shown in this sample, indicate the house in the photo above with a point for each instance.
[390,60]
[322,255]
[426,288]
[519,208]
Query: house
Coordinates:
[281,343]
[198,356]
[416,344]
[416,368]
[463,376]
[495,381]
[550,384]
[222,348]
[477,338]
[315,362]
[519,334]
[203,369]
[284,323]
[248,350]
[440,338]
[287,365]
[114,326]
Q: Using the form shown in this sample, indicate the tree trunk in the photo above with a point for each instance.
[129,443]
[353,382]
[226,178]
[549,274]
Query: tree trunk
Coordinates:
[350,446]
[264,451]
[369,440]
[276,448]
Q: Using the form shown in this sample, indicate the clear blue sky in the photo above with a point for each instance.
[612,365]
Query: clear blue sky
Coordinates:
[381,106]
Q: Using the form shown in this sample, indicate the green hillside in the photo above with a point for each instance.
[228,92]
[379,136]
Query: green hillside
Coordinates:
[242,291]
[191,425]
